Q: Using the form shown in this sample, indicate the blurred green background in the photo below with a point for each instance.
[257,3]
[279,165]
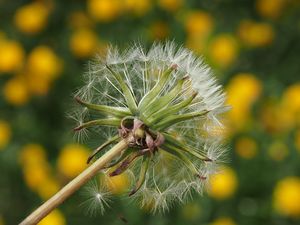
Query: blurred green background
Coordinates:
[254,49]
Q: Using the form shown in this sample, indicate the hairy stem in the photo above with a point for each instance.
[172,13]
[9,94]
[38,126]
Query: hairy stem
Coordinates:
[74,185]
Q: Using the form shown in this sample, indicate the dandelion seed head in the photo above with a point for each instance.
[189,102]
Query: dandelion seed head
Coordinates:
[171,95]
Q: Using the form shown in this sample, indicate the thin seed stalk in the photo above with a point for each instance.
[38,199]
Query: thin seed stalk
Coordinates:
[74,185]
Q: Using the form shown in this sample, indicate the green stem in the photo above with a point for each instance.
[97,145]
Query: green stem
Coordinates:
[74,185]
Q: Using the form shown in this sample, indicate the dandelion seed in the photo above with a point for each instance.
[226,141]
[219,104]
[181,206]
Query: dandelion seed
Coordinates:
[97,197]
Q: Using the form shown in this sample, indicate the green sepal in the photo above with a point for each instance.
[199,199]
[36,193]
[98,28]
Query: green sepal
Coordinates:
[172,142]
[143,172]
[154,92]
[125,164]
[121,158]
[114,122]
[173,119]
[177,153]
[165,100]
[128,95]
[105,144]
[162,113]
[106,110]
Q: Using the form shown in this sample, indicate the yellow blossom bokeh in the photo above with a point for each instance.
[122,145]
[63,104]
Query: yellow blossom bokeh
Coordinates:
[242,92]
[16,92]
[199,23]
[104,10]
[54,218]
[11,57]
[83,43]
[246,147]
[170,5]
[270,8]
[223,50]
[31,18]
[223,221]
[44,62]
[72,160]
[118,184]
[255,34]
[287,197]
[224,184]
[278,150]
[5,134]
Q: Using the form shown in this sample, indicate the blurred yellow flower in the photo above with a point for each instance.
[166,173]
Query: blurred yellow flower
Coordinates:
[79,19]
[242,91]
[117,184]
[36,174]
[54,218]
[104,10]
[43,62]
[287,111]
[15,91]
[159,30]
[196,43]
[37,85]
[5,134]
[287,197]
[254,34]
[170,5]
[269,114]
[138,8]
[47,188]
[246,147]
[83,43]
[31,18]
[297,140]
[11,57]
[270,8]
[278,150]
[191,211]
[32,154]
[223,221]
[72,160]
[291,98]
[199,23]
[223,184]
[223,50]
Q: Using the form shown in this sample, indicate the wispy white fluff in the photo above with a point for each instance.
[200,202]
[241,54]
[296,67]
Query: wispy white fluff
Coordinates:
[169,180]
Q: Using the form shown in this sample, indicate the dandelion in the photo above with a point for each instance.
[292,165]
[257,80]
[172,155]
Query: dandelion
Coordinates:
[160,104]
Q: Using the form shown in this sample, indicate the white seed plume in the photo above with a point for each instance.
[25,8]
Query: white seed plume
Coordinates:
[169,177]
